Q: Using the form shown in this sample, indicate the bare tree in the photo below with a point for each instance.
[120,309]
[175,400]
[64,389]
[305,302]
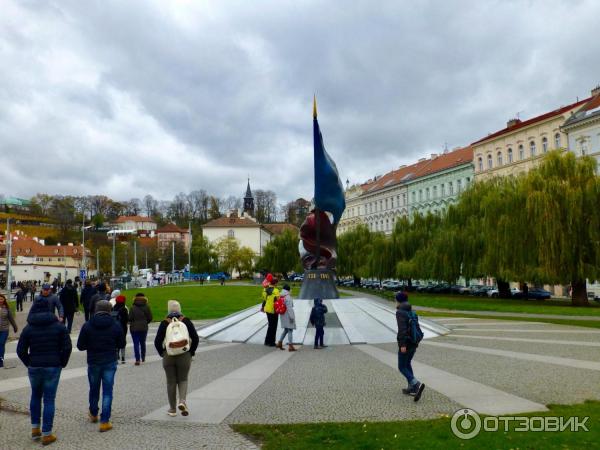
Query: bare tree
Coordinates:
[265,203]
[150,205]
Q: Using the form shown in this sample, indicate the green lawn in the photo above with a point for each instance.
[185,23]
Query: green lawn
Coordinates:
[468,303]
[569,322]
[424,434]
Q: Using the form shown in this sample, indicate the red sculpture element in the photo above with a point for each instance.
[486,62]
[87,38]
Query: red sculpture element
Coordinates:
[308,242]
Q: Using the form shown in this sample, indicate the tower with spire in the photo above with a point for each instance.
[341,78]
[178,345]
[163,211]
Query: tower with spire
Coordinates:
[249,201]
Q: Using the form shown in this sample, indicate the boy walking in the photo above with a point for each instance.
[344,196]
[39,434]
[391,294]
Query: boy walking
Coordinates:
[317,318]
[409,336]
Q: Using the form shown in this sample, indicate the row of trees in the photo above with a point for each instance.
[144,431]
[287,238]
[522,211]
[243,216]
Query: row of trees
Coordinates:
[542,227]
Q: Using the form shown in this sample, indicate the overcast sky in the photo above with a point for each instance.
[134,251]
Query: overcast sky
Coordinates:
[126,98]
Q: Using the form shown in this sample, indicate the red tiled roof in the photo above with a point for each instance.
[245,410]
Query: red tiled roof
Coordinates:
[279,228]
[422,168]
[123,219]
[147,241]
[233,221]
[30,247]
[171,228]
[532,121]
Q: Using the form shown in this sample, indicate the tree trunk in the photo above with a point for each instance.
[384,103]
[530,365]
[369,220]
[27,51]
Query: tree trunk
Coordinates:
[579,293]
[503,288]
[356,280]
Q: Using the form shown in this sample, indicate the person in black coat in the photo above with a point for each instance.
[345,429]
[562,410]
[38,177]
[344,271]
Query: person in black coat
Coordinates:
[121,314]
[44,347]
[87,293]
[100,295]
[406,347]
[101,337]
[70,302]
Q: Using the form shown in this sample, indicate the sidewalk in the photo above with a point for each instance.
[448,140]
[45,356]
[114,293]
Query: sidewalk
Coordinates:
[21,319]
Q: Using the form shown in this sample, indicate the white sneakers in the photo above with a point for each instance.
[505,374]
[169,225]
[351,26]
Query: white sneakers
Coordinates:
[171,413]
[183,408]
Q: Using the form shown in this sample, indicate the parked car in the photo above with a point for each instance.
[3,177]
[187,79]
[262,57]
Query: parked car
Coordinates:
[442,288]
[493,293]
[464,290]
[538,294]
[481,291]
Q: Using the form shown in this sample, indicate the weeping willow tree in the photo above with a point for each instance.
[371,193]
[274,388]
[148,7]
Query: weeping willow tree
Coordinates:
[280,255]
[381,258]
[354,250]
[563,200]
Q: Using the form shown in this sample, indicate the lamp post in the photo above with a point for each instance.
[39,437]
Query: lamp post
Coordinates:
[190,250]
[8,257]
[113,261]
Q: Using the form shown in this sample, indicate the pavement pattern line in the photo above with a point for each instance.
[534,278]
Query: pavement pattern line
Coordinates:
[514,330]
[557,360]
[535,341]
[212,403]
[12,384]
[490,323]
[477,396]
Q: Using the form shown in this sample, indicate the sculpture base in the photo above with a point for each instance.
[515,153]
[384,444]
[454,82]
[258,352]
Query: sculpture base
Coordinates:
[318,283]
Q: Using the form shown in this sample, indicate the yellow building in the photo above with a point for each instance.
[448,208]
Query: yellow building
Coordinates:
[522,144]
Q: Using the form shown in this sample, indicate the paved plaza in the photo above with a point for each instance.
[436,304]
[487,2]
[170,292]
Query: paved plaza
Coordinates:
[492,366]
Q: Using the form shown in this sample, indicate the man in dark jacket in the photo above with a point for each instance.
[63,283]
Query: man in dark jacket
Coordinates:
[87,293]
[406,347]
[102,336]
[51,301]
[70,302]
[98,296]
[44,347]
[20,296]
[140,316]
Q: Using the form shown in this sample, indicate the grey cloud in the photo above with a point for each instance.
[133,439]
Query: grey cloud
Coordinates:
[166,97]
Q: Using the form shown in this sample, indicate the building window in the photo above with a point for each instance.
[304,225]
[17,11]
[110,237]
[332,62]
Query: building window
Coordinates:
[435,192]
[521,153]
[490,162]
[532,149]
[458,186]
[387,224]
[414,197]
[420,195]
[544,144]
[427,193]
[499,158]
[451,187]
[479,165]
[444,186]
[386,203]
[403,199]
[231,234]
[557,140]
[510,157]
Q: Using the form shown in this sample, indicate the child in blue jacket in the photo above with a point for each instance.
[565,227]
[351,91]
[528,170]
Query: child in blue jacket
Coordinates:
[317,318]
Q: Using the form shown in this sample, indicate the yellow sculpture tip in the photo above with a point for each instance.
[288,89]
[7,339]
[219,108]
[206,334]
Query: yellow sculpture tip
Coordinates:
[315,107]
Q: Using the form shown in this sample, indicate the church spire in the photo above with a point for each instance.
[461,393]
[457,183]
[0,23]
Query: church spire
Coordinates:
[249,201]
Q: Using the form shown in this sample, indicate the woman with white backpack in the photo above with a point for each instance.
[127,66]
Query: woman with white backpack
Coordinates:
[176,341]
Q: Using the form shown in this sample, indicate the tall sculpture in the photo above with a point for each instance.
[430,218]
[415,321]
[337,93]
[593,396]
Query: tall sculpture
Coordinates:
[318,243]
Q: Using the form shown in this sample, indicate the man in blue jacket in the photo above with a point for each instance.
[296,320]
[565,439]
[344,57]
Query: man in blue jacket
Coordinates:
[45,348]
[101,336]
[51,300]
[406,346]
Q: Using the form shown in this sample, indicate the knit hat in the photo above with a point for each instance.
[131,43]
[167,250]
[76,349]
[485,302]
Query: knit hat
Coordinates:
[286,287]
[120,299]
[103,306]
[401,297]
[173,306]
[115,293]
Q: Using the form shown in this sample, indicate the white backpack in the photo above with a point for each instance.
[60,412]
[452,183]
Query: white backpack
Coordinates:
[177,339]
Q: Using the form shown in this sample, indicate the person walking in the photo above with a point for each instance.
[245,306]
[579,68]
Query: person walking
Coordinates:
[288,320]
[101,294]
[139,318]
[86,295]
[70,301]
[101,337]
[408,325]
[20,296]
[317,318]
[177,362]
[120,313]
[270,294]
[51,301]
[6,320]
[44,347]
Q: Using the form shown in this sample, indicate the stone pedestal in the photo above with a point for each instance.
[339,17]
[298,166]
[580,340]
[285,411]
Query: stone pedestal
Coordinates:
[319,283]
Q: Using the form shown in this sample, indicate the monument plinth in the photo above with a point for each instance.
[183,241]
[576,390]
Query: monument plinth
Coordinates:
[319,283]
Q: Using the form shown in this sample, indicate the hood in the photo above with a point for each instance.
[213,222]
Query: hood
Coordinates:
[285,292]
[318,301]
[102,320]
[140,301]
[115,293]
[41,318]
[404,306]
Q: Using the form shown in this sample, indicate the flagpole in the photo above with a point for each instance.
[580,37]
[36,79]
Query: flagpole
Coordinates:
[318,224]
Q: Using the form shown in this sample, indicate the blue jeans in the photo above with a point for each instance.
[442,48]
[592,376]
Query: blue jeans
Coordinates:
[3,339]
[319,334]
[405,366]
[290,335]
[44,382]
[139,344]
[102,374]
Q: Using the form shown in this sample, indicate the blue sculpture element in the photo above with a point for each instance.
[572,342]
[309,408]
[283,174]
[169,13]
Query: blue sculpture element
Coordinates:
[329,191]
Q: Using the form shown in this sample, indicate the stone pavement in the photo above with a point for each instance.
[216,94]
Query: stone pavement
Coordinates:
[497,367]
